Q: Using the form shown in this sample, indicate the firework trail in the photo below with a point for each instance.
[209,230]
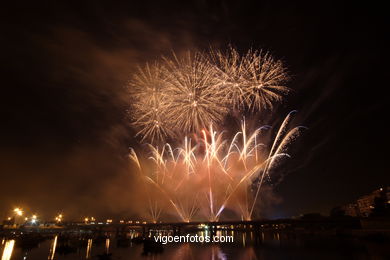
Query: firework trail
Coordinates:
[204,179]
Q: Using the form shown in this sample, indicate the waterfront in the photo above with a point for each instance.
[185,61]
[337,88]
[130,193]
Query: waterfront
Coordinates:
[247,245]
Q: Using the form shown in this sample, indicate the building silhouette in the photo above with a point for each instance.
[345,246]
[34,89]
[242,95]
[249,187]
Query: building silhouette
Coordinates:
[365,205]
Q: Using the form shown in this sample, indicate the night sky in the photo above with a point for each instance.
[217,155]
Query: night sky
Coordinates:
[65,132]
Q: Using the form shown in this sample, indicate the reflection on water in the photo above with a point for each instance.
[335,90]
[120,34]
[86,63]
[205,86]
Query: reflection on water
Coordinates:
[107,245]
[89,249]
[8,249]
[53,248]
[246,246]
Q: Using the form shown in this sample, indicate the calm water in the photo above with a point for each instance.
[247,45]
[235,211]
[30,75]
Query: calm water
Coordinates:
[245,246]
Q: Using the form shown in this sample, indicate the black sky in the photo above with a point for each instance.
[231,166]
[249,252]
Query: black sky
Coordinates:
[64,130]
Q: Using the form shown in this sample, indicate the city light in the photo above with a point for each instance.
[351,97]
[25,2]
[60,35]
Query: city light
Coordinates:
[58,218]
[18,211]
[33,219]
[89,220]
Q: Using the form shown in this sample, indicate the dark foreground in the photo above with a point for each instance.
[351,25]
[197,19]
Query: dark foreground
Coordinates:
[246,245]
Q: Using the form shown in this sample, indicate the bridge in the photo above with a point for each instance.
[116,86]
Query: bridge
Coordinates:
[256,225]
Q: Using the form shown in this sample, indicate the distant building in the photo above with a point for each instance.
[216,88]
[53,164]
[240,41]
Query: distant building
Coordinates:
[9,222]
[365,205]
[351,209]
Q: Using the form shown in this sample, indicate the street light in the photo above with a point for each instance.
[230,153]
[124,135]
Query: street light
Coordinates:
[59,218]
[18,211]
[33,219]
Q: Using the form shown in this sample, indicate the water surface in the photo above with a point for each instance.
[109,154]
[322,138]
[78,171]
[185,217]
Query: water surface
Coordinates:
[272,245]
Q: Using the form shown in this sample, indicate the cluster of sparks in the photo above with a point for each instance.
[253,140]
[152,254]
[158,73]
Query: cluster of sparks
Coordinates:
[208,174]
[202,180]
[188,93]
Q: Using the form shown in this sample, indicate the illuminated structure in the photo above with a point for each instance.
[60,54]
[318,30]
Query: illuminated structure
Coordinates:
[365,205]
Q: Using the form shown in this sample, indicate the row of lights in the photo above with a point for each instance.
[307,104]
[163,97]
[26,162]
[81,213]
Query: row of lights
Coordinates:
[92,220]
[19,213]
[59,218]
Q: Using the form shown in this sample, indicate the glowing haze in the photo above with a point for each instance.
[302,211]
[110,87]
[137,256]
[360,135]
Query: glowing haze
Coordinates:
[200,177]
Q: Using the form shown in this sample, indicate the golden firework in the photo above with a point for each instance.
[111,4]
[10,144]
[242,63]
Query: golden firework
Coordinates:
[202,179]
[182,95]
[254,80]
[149,103]
[195,100]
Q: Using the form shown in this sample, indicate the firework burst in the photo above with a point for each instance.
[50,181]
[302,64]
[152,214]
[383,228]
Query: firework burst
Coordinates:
[186,94]
[194,97]
[254,80]
[149,103]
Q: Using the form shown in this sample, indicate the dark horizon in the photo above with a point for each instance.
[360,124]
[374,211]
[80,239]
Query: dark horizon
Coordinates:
[65,128]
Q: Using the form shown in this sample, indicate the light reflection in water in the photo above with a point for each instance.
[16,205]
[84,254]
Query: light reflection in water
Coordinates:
[217,253]
[107,245]
[183,252]
[243,238]
[53,248]
[247,253]
[276,238]
[8,249]
[270,248]
[89,249]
